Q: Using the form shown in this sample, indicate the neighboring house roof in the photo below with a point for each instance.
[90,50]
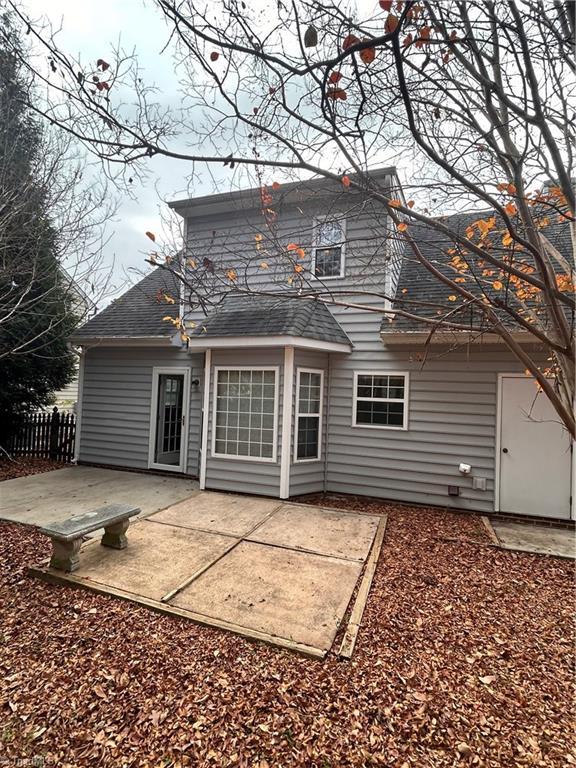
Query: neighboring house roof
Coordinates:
[137,313]
[242,315]
[420,292]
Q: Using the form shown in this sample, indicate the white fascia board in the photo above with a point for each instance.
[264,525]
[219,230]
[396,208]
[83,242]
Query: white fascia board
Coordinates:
[122,341]
[197,343]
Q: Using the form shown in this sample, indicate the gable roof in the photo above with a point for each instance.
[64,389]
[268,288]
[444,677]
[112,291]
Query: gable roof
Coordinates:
[250,315]
[420,292]
[137,313]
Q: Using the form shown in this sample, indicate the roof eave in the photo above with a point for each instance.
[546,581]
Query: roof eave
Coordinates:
[122,341]
[201,343]
[295,191]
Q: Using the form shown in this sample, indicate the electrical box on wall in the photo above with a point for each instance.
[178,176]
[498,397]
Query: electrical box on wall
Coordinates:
[453,490]
[479,483]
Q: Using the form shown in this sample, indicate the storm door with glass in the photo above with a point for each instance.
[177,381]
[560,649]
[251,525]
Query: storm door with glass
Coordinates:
[169,419]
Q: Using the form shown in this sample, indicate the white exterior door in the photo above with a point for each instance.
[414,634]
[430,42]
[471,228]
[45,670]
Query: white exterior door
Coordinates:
[535,457]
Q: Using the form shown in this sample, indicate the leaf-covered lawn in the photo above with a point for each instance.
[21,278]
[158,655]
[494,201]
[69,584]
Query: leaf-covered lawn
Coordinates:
[23,466]
[464,659]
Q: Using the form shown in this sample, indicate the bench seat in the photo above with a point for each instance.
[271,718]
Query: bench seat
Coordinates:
[67,535]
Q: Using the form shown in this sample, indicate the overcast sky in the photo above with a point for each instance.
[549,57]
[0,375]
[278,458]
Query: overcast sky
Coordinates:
[93,29]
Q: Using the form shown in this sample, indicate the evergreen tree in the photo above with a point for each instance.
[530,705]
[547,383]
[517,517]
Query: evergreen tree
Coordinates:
[36,303]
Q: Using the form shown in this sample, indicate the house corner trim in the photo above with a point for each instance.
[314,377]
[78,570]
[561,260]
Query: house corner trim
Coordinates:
[287,397]
[79,405]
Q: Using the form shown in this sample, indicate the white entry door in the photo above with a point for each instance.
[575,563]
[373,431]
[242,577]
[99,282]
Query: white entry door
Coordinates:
[535,457]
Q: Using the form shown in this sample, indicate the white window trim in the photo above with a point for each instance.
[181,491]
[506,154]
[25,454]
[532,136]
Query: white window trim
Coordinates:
[156,373]
[405,400]
[317,222]
[298,414]
[259,459]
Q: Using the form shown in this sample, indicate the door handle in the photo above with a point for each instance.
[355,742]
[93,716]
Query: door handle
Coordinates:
[504,450]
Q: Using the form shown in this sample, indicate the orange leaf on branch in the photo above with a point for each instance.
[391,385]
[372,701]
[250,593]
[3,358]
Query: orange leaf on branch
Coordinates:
[386,5]
[214,56]
[231,274]
[564,283]
[510,209]
[394,203]
[275,185]
[335,77]
[336,93]
[402,226]
[391,23]
[151,236]
[103,65]
[368,55]
[349,41]
[346,181]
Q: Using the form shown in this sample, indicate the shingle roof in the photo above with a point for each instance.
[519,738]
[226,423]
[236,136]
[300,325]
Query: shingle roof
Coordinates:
[420,292]
[138,312]
[242,315]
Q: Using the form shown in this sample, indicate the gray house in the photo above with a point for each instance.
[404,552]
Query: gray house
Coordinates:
[283,395]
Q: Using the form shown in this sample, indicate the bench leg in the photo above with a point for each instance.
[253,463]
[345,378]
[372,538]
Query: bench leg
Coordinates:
[115,535]
[65,555]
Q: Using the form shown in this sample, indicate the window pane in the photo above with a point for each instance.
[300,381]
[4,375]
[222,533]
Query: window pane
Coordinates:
[327,262]
[308,437]
[380,413]
[309,392]
[241,411]
[383,387]
[329,233]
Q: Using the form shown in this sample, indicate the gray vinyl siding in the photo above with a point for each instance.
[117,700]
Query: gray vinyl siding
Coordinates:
[231,245]
[116,404]
[451,419]
[308,477]
[243,475]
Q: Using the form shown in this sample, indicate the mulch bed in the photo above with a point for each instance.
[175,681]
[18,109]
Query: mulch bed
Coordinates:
[22,466]
[465,659]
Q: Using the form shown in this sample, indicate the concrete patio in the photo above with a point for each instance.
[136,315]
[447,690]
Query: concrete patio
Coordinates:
[40,499]
[537,539]
[274,571]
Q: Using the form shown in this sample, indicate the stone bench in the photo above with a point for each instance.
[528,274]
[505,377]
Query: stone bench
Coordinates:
[67,534]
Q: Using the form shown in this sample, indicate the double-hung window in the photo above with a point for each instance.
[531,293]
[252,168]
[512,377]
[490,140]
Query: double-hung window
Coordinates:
[246,413]
[381,400]
[309,396]
[329,240]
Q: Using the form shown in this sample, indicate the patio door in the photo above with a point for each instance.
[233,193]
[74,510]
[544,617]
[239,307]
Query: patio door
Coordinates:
[534,453]
[169,419]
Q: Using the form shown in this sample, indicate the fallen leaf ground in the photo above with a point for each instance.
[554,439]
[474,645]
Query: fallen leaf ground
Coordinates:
[465,659]
[22,466]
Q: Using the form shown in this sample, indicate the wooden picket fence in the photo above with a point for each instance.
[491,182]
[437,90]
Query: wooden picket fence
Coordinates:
[46,436]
